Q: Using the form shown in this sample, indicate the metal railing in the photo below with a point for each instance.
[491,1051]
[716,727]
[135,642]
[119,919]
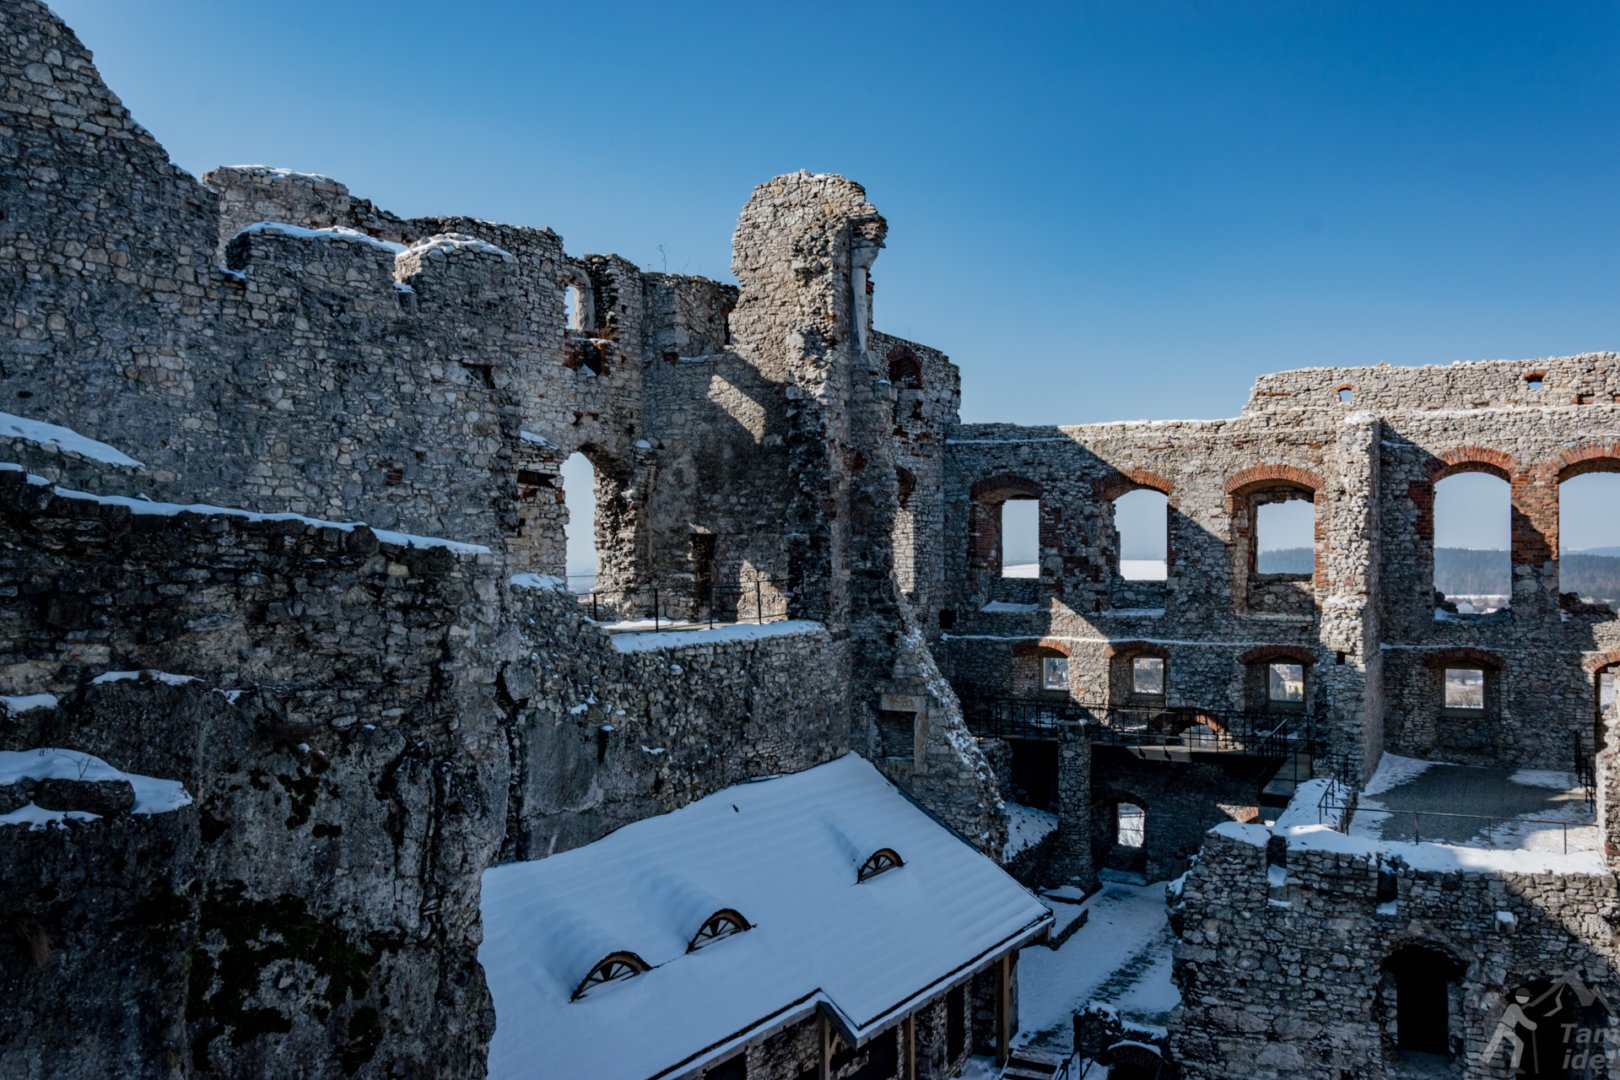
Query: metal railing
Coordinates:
[676,603]
[1585,769]
[1177,728]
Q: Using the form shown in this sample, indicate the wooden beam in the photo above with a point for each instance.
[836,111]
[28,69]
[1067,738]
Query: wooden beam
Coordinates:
[1003,1009]
[826,1047]
[911,1046]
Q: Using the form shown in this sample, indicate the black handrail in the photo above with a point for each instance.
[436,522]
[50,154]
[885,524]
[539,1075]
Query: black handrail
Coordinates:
[653,599]
[1260,734]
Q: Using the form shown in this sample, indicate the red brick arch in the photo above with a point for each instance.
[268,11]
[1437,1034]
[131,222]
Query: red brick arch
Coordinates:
[1135,648]
[1603,661]
[984,516]
[1260,477]
[1043,647]
[1125,481]
[1003,486]
[1269,654]
[1581,460]
[1464,657]
[1472,459]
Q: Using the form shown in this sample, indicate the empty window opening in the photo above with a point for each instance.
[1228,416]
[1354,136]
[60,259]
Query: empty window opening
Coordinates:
[1285,684]
[1465,689]
[733,1068]
[1055,673]
[1472,542]
[1422,979]
[1130,825]
[1285,536]
[1607,705]
[1142,521]
[1534,382]
[955,1022]
[579,531]
[1347,395]
[1589,538]
[572,315]
[1147,677]
[1020,538]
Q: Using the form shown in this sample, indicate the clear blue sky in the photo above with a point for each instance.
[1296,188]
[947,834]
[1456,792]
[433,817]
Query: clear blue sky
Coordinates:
[1100,210]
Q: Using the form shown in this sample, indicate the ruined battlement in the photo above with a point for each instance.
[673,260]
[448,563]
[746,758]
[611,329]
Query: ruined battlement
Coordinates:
[1587,379]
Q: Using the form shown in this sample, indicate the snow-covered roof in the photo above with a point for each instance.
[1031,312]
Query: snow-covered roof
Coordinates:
[784,854]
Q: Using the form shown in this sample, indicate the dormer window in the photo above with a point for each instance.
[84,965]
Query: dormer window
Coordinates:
[880,860]
[615,967]
[722,924]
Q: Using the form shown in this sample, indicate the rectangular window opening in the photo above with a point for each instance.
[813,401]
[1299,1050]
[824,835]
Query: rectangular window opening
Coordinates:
[1055,673]
[1147,676]
[1020,538]
[1131,825]
[1285,684]
[1465,689]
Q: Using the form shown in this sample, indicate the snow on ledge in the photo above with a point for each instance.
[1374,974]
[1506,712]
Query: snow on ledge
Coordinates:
[127,676]
[539,581]
[334,232]
[146,507]
[152,795]
[720,635]
[1440,858]
[16,705]
[56,437]
[449,242]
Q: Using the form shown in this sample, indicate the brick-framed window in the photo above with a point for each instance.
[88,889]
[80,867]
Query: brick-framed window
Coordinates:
[1055,674]
[1277,678]
[1138,673]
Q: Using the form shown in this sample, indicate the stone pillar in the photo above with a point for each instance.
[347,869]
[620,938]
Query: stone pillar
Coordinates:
[1071,850]
[1607,767]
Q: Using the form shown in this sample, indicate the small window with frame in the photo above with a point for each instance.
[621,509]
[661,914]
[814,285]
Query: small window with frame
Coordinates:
[1055,673]
[1285,685]
[1464,690]
[1147,678]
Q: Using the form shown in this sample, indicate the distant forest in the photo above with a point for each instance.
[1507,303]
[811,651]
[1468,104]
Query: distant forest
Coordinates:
[1465,572]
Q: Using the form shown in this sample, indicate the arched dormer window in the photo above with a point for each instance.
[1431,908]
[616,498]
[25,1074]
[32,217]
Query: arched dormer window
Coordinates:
[614,967]
[722,924]
[880,860]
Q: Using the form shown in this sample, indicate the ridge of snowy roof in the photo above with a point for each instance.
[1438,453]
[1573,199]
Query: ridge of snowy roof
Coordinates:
[778,851]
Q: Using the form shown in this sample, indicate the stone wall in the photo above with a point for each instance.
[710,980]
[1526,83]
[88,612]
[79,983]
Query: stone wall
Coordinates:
[1293,979]
[1366,619]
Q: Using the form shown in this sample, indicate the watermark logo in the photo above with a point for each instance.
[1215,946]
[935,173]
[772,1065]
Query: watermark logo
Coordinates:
[1568,1025]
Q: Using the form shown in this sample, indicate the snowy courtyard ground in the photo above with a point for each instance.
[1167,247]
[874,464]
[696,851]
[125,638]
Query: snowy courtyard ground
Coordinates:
[1121,956]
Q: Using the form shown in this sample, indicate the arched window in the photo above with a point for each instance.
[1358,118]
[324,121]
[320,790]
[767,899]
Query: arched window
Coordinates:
[1004,527]
[1473,562]
[1142,522]
[880,860]
[722,924]
[1589,535]
[579,306]
[615,967]
[579,528]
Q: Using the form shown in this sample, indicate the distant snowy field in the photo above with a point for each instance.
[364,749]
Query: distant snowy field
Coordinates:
[1129,569]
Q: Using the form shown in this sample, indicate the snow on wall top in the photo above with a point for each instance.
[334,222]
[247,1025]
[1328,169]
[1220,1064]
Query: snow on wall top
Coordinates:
[56,437]
[776,851]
